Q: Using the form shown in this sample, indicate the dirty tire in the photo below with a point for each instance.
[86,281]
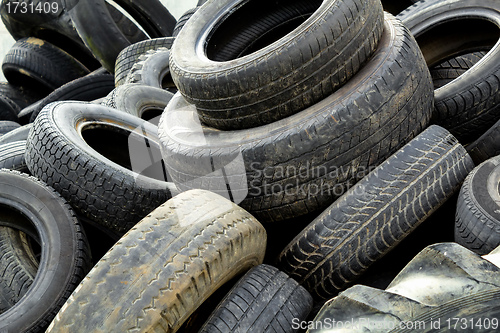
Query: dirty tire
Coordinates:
[21,96]
[285,58]
[450,70]
[87,88]
[8,109]
[377,213]
[41,65]
[443,282]
[264,300]
[470,105]
[477,225]
[486,146]
[101,34]
[17,134]
[139,100]
[152,69]
[130,55]
[182,20]
[93,170]
[154,285]
[18,267]
[12,156]
[354,130]
[7,126]
[65,259]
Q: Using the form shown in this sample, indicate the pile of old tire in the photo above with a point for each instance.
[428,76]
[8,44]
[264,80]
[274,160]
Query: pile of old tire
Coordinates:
[254,165]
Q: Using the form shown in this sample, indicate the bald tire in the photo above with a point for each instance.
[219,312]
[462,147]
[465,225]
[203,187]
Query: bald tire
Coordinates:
[165,267]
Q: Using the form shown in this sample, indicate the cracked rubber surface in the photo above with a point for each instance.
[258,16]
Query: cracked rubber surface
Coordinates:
[442,283]
[284,59]
[165,267]
[30,204]
[95,175]
[303,163]
[377,213]
[264,300]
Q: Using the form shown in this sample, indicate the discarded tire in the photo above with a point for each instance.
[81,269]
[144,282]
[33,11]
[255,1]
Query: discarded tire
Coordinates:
[152,69]
[478,217]
[284,59]
[467,106]
[286,173]
[12,156]
[82,150]
[153,285]
[264,300]
[27,202]
[486,146]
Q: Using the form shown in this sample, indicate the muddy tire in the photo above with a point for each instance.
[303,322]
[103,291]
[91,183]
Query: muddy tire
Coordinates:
[284,172]
[285,58]
[82,151]
[130,55]
[103,36]
[153,285]
[40,65]
[374,216]
[443,283]
[468,106]
[477,225]
[29,204]
[264,300]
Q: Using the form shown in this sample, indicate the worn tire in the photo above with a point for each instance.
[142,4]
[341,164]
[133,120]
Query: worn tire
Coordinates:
[450,70]
[377,213]
[263,300]
[443,286]
[17,134]
[65,259]
[477,224]
[38,64]
[153,285]
[21,96]
[81,150]
[87,88]
[284,59]
[470,105]
[182,20]
[301,164]
[7,126]
[12,156]
[139,100]
[130,55]
[101,34]
[152,69]
[486,146]
[18,267]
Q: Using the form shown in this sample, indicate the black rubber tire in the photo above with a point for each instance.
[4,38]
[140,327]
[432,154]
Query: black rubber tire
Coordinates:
[299,164]
[7,126]
[374,216]
[139,100]
[21,96]
[18,267]
[87,88]
[101,34]
[65,259]
[38,64]
[445,288]
[12,156]
[82,151]
[264,300]
[8,109]
[468,106]
[278,72]
[486,146]
[182,20]
[477,224]
[130,55]
[152,69]
[153,285]
[17,134]
[450,70]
